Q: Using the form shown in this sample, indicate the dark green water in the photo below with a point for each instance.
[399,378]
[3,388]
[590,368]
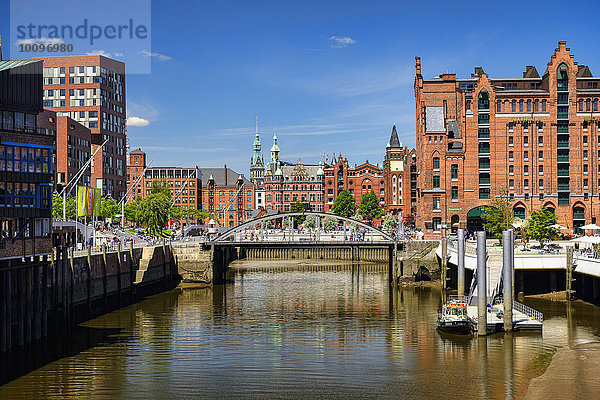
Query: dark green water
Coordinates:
[305,332]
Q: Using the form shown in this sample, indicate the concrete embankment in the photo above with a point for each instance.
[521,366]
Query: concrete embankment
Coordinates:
[572,374]
[41,299]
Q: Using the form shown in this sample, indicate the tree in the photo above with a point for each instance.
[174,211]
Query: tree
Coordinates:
[540,225]
[356,217]
[297,207]
[495,216]
[131,210]
[344,204]
[389,222]
[369,206]
[310,222]
[109,208]
[153,212]
[161,186]
[57,206]
[330,223]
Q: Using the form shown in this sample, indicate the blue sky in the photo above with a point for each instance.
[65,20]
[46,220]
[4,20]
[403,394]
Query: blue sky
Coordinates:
[329,76]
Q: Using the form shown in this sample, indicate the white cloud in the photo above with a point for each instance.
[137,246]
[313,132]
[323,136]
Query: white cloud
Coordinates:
[42,40]
[157,56]
[118,54]
[98,53]
[341,41]
[142,109]
[138,122]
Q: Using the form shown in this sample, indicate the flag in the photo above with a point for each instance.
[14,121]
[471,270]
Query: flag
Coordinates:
[81,201]
[89,205]
[97,201]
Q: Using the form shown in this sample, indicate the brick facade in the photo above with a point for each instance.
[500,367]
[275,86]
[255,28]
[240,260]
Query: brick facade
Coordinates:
[537,137]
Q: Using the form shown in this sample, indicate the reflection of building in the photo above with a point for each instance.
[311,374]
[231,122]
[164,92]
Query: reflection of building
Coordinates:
[25,163]
[91,90]
[534,136]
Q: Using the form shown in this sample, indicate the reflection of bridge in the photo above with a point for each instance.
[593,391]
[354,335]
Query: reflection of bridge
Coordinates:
[377,246]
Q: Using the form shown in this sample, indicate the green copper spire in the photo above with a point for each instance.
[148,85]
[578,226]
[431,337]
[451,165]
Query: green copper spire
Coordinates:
[257,158]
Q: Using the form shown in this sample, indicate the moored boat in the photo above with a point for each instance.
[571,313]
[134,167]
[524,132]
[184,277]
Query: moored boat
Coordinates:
[453,318]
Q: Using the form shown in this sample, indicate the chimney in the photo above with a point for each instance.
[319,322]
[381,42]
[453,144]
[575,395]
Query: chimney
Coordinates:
[225,168]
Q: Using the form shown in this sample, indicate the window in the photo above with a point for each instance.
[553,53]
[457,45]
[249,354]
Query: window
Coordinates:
[541,183]
[511,183]
[585,140]
[454,172]
[595,104]
[541,155]
[498,106]
[526,184]
[585,169]
[525,141]
[525,169]
[541,170]
[540,140]
[520,106]
[528,105]
[437,224]
[580,104]
[484,193]
[468,105]
[510,127]
[587,105]
[436,204]
[536,104]
[544,101]
[454,193]
[436,182]
[514,106]
[510,141]
[585,126]
[511,155]
[511,169]
[585,155]
[585,183]
[525,156]
[540,127]
[71,70]
[436,163]
[525,127]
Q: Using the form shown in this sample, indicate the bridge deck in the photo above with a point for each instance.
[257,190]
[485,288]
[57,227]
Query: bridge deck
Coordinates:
[307,243]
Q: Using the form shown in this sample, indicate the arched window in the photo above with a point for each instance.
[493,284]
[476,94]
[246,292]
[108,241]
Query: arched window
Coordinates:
[436,163]
[483,101]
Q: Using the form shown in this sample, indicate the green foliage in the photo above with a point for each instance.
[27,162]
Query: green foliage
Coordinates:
[131,210]
[297,207]
[109,208]
[330,223]
[356,217]
[344,204]
[540,225]
[57,206]
[153,212]
[310,222]
[161,187]
[389,223]
[495,216]
[369,206]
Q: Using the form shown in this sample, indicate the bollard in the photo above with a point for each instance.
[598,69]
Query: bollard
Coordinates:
[481,286]
[507,281]
[461,262]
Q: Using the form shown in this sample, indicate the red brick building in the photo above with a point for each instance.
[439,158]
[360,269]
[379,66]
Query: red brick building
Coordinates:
[73,148]
[91,91]
[536,136]
[357,179]
[400,177]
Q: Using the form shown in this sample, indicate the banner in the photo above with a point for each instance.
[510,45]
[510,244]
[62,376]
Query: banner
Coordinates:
[81,201]
[89,205]
[97,201]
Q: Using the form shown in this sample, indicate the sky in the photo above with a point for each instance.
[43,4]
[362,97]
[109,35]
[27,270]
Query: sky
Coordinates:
[326,76]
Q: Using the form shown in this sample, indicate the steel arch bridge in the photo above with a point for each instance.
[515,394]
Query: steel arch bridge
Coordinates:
[240,228]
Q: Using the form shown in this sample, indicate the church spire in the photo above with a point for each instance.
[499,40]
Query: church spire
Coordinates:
[394,141]
[256,161]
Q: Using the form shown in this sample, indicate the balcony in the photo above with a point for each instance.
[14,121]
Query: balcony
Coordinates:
[562,101]
[562,158]
[484,181]
[484,119]
[563,187]
[562,144]
[562,115]
[484,165]
[562,129]
[562,85]
[563,201]
[562,172]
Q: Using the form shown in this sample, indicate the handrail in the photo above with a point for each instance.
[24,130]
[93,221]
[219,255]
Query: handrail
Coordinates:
[530,312]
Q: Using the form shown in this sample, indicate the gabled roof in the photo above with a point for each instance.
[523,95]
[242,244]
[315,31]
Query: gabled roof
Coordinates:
[218,174]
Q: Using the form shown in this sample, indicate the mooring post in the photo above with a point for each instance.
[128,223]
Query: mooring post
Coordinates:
[507,281]
[512,260]
[481,285]
[569,272]
[461,262]
[444,262]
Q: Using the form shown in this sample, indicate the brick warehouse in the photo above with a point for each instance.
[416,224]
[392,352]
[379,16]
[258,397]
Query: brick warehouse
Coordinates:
[538,137]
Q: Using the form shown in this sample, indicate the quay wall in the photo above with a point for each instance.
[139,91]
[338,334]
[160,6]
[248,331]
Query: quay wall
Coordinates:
[42,297]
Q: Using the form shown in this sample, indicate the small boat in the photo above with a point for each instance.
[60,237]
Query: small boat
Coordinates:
[453,318]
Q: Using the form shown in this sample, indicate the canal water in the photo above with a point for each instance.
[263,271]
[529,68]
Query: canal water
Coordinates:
[295,330]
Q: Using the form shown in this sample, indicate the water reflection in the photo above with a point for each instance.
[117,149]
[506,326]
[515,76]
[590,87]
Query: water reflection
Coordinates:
[300,330]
